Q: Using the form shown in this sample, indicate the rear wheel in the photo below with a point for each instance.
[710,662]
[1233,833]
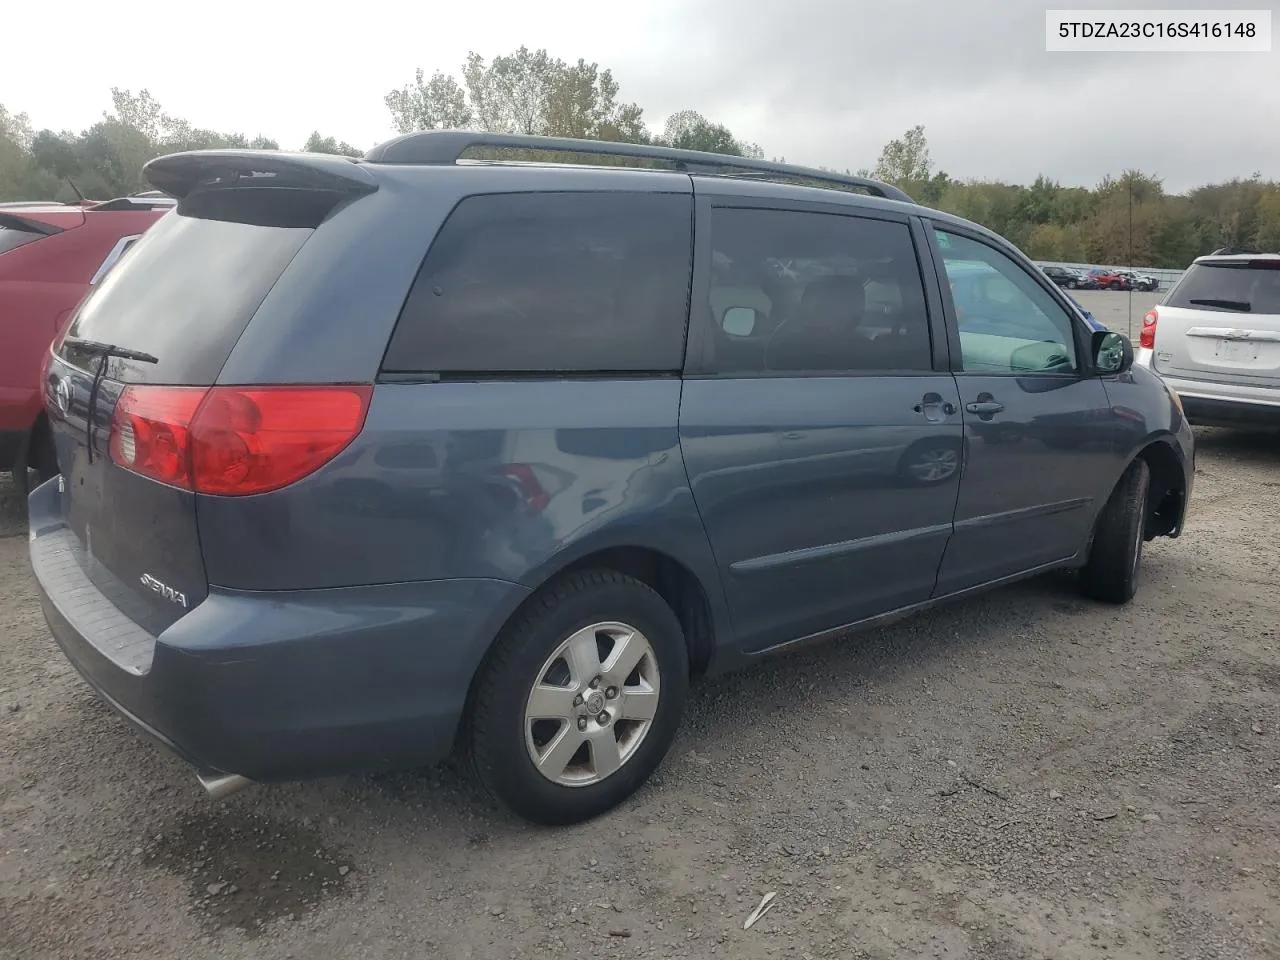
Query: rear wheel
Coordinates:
[580,699]
[1115,556]
[1114,285]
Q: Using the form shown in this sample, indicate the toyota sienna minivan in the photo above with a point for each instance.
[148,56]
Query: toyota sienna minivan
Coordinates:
[362,461]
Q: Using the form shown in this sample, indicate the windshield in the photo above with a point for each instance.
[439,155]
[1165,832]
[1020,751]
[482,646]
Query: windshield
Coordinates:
[1230,286]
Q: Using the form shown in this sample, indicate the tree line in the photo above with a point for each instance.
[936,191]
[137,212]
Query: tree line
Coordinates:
[1128,219]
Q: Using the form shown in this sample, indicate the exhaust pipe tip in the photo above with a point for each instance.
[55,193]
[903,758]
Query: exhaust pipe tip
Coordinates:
[219,786]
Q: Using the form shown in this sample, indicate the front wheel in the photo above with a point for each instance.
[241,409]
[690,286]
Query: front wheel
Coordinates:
[1115,557]
[580,699]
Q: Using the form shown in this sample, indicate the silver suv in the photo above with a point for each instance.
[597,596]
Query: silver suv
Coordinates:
[1216,340]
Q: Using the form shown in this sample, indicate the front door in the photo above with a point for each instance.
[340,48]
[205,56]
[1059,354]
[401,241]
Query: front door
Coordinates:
[822,440]
[1038,445]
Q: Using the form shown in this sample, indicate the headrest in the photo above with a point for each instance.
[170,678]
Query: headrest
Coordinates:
[835,298]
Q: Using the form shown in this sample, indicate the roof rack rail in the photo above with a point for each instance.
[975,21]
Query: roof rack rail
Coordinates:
[445,147]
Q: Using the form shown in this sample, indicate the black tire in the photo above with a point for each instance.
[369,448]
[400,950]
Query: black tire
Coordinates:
[1114,563]
[39,462]
[1115,285]
[1071,285]
[496,722]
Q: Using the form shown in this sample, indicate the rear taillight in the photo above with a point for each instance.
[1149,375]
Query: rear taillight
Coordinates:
[234,441]
[1147,338]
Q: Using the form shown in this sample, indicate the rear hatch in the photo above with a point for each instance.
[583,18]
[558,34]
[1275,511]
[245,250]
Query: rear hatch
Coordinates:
[1221,323]
[137,361]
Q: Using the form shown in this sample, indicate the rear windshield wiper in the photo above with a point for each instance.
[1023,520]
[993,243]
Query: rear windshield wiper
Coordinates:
[104,352]
[1244,306]
[96,348]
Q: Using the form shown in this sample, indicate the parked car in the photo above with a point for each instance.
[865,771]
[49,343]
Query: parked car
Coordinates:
[1140,281]
[50,254]
[1071,279]
[1215,339]
[364,460]
[1110,279]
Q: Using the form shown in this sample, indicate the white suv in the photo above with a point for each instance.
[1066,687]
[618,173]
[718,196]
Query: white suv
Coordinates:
[1216,340]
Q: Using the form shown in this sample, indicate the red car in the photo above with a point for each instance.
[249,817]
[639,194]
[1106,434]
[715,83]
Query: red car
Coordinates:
[1110,280]
[50,256]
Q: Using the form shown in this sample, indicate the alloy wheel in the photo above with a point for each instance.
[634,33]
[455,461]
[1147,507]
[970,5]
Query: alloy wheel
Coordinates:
[592,704]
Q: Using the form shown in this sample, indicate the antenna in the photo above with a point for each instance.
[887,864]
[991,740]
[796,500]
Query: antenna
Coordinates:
[83,201]
[1130,257]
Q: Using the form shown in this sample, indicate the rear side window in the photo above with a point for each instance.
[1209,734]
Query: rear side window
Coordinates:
[11,237]
[795,293]
[551,282]
[184,294]
[1239,286]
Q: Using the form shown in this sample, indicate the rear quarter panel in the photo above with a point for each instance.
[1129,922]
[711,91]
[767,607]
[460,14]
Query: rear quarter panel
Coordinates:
[499,480]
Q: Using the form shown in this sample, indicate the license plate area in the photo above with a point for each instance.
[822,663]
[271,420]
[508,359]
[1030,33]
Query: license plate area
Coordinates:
[1236,351]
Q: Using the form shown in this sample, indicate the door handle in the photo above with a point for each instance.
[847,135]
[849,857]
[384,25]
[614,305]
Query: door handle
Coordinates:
[931,404]
[985,408]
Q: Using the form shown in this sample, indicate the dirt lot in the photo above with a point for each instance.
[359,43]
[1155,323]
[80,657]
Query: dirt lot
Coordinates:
[1022,775]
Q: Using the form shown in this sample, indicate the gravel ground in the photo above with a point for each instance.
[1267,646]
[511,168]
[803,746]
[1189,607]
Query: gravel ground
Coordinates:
[1026,774]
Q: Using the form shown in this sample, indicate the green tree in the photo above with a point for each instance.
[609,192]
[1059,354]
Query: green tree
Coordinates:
[318,144]
[435,104]
[690,130]
[20,177]
[905,162]
[527,92]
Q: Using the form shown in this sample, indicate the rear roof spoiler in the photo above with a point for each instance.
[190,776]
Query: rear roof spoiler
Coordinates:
[180,173]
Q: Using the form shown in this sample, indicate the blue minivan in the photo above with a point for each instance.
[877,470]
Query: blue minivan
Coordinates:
[362,461]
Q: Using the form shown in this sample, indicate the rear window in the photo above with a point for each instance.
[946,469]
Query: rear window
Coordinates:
[551,282]
[1242,286]
[13,237]
[184,294]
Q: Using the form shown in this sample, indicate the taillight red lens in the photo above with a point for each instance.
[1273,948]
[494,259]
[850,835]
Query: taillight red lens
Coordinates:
[1147,338]
[151,431]
[254,439]
[234,441]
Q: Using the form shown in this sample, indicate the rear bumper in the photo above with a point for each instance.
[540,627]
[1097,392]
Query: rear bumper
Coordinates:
[1211,411]
[1210,404]
[279,685]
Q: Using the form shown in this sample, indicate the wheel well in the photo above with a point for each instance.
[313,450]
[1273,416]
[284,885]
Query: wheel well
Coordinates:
[41,432]
[674,582]
[37,443]
[1167,490]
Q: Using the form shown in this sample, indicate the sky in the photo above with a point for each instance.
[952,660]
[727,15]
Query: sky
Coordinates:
[819,82]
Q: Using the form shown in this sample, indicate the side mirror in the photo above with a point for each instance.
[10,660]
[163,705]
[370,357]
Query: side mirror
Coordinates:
[1112,353]
[739,321]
